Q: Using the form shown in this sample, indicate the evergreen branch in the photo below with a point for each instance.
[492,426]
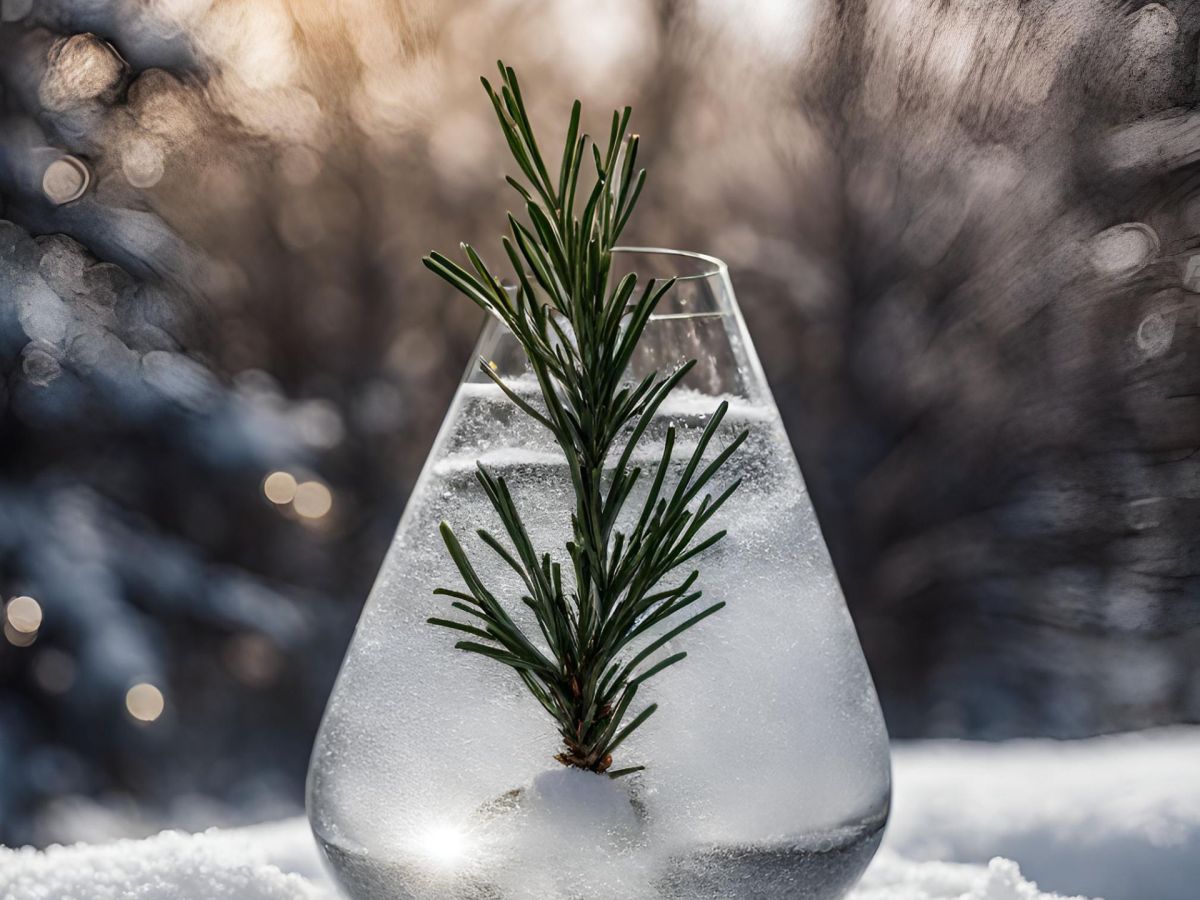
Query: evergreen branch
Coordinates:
[579,333]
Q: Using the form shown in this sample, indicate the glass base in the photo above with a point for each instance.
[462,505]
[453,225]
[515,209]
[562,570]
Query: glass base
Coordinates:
[793,872]
[823,870]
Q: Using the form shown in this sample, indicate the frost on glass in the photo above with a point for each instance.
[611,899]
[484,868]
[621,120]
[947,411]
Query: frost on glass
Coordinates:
[767,769]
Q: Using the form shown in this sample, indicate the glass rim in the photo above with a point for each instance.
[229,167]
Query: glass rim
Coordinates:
[718,266]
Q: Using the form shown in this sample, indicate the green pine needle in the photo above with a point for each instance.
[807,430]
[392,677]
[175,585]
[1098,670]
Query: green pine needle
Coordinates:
[579,333]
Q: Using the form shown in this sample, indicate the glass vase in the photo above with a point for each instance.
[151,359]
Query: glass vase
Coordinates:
[767,772]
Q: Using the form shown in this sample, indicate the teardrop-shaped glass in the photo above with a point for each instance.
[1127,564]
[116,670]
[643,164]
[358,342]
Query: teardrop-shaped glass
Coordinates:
[767,768]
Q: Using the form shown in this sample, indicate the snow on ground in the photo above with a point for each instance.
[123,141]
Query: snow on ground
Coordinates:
[893,878]
[169,866]
[234,864]
[1117,818]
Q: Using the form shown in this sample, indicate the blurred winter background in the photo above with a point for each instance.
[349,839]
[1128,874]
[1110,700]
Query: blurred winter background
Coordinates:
[966,238]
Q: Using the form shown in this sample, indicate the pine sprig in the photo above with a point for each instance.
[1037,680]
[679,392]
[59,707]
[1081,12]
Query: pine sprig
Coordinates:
[579,333]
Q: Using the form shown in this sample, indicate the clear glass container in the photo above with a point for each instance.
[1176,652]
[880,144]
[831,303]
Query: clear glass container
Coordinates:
[767,768]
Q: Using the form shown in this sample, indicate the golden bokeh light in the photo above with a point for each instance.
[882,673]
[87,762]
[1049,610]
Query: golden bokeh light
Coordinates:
[23,615]
[280,487]
[143,163]
[313,500]
[66,180]
[144,702]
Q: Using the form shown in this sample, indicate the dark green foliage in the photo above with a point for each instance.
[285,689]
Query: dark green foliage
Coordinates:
[579,333]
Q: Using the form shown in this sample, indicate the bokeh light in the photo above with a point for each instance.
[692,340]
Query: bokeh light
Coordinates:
[313,500]
[280,487]
[22,619]
[144,702]
[24,614]
[66,180]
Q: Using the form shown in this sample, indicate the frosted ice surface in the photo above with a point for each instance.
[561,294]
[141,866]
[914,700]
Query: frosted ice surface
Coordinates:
[767,736]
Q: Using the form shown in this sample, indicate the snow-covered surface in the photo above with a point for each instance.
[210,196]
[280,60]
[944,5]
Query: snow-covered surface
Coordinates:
[280,861]
[893,878]
[1117,818]
[169,866]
